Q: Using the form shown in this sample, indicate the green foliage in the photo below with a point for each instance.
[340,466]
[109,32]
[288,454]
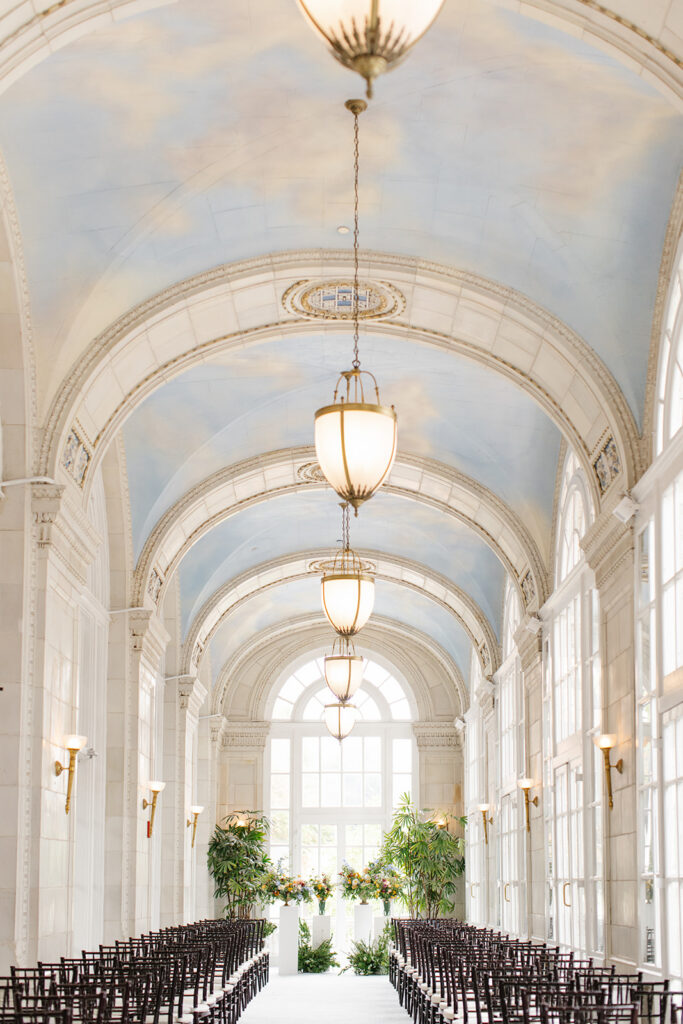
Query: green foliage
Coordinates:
[429,856]
[238,862]
[268,928]
[370,957]
[318,960]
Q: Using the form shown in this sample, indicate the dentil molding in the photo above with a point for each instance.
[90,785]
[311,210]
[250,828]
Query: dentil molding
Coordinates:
[437,734]
[245,736]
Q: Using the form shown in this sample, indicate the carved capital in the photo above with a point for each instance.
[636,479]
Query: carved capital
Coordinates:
[529,643]
[436,734]
[62,529]
[485,696]
[217,725]
[245,736]
[609,548]
[191,694]
[148,636]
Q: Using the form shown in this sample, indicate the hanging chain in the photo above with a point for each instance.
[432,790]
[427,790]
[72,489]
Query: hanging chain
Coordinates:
[356,311]
[346,534]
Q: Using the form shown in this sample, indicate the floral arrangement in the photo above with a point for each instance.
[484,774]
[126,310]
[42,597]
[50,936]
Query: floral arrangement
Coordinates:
[388,884]
[279,886]
[357,885]
[322,889]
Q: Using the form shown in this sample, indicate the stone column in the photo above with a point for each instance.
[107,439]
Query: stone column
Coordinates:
[530,648]
[441,772]
[184,696]
[240,785]
[138,642]
[609,548]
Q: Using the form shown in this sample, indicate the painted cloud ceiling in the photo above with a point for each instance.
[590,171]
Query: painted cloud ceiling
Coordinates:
[204,132]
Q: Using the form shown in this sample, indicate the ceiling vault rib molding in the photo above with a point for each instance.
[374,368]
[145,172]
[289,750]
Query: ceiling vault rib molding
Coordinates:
[178,530]
[600,411]
[279,645]
[291,568]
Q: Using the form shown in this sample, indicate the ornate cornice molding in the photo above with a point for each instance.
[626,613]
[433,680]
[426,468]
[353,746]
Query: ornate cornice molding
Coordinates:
[529,644]
[430,735]
[148,636]
[191,694]
[245,736]
[485,696]
[61,527]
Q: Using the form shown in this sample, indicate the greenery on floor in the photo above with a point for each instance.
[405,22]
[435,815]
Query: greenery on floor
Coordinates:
[370,957]
[314,960]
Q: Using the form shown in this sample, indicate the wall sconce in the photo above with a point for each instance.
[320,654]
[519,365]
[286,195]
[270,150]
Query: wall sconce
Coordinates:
[156,788]
[73,744]
[194,812]
[485,808]
[606,742]
[525,785]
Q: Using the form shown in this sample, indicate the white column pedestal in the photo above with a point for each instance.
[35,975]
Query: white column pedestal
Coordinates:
[362,922]
[321,929]
[379,925]
[288,938]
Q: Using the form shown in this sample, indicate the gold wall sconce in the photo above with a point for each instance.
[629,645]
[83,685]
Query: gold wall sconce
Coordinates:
[195,811]
[156,787]
[485,808]
[606,742]
[525,785]
[73,744]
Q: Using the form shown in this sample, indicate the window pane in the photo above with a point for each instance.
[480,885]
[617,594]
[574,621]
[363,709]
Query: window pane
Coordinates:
[392,690]
[354,856]
[279,755]
[371,711]
[401,784]
[310,861]
[281,709]
[279,791]
[373,754]
[373,835]
[330,789]
[309,753]
[373,789]
[328,835]
[310,795]
[280,853]
[352,754]
[328,860]
[403,755]
[313,712]
[353,795]
[309,835]
[330,754]
[292,690]
[354,835]
[309,673]
[400,710]
[279,828]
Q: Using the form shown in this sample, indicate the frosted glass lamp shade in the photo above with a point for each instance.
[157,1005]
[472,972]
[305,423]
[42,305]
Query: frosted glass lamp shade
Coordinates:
[343,674]
[348,600]
[340,719]
[356,445]
[370,36]
[156,786]
[75,742]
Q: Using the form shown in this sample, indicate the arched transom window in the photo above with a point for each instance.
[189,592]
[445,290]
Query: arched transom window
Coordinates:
[669,413]
[574,518]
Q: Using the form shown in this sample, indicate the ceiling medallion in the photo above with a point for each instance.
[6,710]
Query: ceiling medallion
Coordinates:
[333,300]
[311,473]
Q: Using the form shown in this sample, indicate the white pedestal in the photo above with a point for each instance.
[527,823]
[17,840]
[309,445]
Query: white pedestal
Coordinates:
[380,923]
[288,939]
[321,929]
[362,922]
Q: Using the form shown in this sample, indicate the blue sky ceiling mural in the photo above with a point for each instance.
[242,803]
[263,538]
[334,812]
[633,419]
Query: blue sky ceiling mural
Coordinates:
[209,132]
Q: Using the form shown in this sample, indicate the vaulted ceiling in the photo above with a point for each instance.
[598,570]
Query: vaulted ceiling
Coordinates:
[521,160]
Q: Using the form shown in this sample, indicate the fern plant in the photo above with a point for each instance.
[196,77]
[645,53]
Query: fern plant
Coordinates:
[368,958]
[314,960]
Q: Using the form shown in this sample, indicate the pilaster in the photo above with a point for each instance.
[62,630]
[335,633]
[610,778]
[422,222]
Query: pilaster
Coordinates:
[243,746]
[609,549]
[529,643]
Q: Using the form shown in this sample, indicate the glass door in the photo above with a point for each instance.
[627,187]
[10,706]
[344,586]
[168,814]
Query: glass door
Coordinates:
[568,883]
[508,868]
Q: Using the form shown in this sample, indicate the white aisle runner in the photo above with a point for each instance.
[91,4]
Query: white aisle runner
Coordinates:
[325,999]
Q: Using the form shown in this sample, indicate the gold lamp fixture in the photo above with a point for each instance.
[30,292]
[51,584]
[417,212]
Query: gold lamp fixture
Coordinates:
[195,811]
[485,808]
[370,36]
[343,669]
[606,742]
[525,785]
[340,719]
[155,787]
[73,744]
[356,437]
[347,586]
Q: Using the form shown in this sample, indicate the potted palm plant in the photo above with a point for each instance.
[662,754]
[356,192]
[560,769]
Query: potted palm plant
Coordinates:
[238,861]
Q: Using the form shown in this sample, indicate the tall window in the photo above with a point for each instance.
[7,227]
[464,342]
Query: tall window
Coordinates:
[475,793]
[572,718]
[669,411]
[331,802]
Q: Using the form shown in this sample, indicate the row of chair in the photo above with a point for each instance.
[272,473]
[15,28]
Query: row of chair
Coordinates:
[204,973]
[448,972]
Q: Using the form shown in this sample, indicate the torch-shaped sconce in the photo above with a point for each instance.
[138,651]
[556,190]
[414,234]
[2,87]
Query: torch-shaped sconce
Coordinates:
[606,742]
[192,820]
[485,808]
[525,785]
[73,744]
[156,788]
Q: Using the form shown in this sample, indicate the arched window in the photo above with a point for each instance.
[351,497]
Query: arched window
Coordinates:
[574,517]
[669,410]
[512,616]
[331,802]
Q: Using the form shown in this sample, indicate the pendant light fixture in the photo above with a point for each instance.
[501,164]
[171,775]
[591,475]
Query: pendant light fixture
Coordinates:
[370,36]
[355,438]
[340,719]
[343,669]
[347,586]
